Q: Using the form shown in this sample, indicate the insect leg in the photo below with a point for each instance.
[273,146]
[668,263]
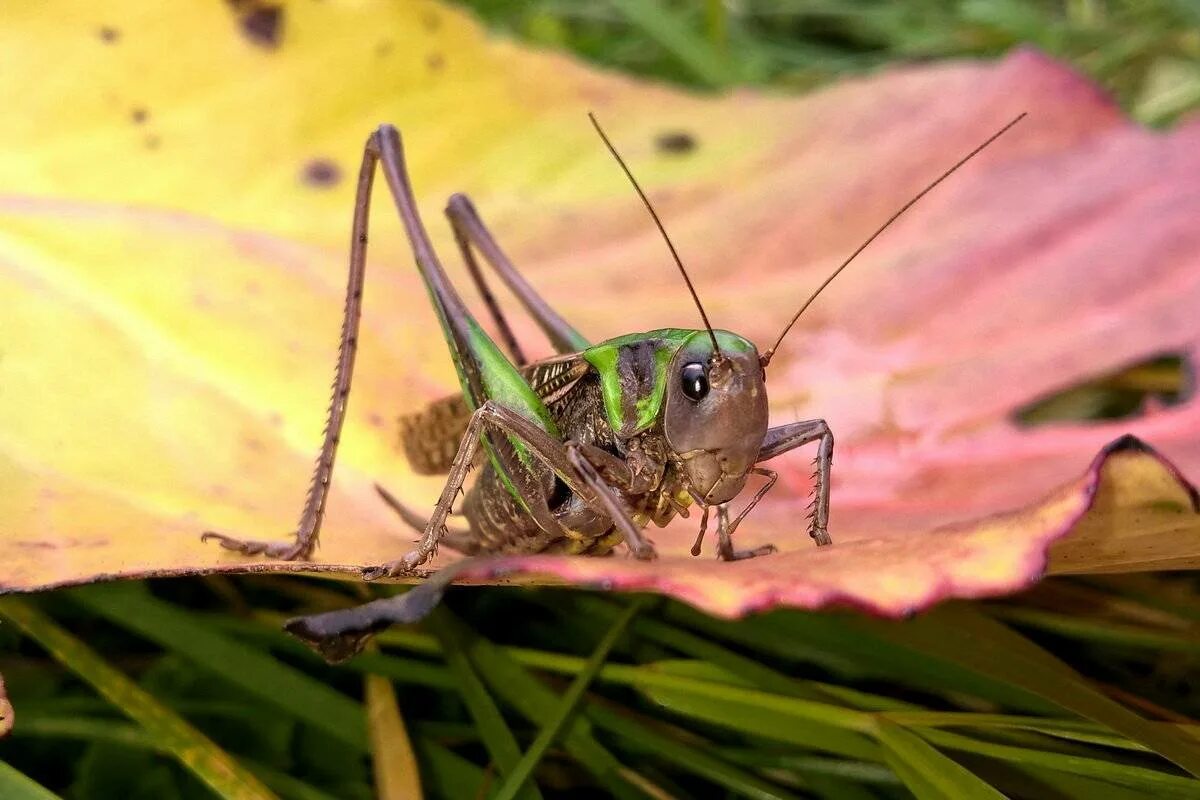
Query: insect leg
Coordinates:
[457,539]
[339,635]
[318,489]
[788,437]
[470,231]
[585,465]
[556,456]
[725,550]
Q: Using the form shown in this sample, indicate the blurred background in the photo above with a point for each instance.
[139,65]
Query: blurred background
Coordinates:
[1145,53]
[1078,688]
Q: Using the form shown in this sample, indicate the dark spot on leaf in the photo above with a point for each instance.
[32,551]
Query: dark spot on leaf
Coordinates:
[1158,382]
[152,142]
[139,115]
[435,62]
[321,173]
[675,142]
[109,34]
[261,23]
[431,21]
[383,48]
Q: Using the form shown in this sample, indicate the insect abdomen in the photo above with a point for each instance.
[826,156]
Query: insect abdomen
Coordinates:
[430,437]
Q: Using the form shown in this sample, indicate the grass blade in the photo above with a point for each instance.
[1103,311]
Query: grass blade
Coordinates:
[293,693]
[699,760]
[570,700]
[759,714]
[1149,781]
[836,643]
[16,785]
[497,738]
[926,771]
[532,700]
[675,36]
[105,730]
[195,751]
[393,760]
[448,774]
[963,635]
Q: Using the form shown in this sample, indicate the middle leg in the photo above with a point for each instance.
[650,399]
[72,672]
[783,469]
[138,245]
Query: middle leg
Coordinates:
[553,454]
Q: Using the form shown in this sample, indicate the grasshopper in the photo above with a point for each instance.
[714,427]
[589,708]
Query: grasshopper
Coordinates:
[580,451]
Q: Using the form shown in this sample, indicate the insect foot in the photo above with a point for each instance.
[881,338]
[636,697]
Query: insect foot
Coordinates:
[820,536]
[739,555]
[401,566]
[287,551]
[644,552]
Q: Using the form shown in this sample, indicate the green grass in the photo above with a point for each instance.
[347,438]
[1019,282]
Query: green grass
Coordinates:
[1146,52]
[1079,688]
[194,695]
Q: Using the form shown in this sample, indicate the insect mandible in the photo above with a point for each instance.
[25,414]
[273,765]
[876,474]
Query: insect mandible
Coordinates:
[579,451]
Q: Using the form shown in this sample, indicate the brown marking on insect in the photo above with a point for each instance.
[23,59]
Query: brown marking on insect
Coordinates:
[375,420]
[261,23]
[431,21]
[109,34]
[435,62]
[675,142]
[321,173]
[383,48]
[139,115]
[152,142]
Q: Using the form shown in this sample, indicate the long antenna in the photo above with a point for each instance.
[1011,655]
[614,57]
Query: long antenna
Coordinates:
[766,357]
[661,229]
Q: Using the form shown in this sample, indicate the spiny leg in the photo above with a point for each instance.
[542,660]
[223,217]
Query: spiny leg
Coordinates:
[549,451]
[788,437]
[470,230]
[455,538]
[307,532]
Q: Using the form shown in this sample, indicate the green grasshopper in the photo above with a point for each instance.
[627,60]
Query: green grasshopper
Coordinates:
[579,451]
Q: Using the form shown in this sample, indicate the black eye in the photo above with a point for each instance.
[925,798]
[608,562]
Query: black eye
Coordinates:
[694,379]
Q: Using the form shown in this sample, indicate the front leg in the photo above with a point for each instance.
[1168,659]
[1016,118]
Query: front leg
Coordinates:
[795,434]
[725,550]
[601,471]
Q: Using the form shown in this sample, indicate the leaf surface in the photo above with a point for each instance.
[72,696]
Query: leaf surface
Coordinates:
[173,236]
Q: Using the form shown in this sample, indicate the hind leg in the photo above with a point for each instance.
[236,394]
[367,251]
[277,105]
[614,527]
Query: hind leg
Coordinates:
[454,538]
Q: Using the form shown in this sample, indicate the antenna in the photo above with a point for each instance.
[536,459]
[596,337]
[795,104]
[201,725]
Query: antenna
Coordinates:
[765,358]
[661,230]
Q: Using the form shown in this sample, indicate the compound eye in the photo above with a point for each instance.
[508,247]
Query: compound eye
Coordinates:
[694,381]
